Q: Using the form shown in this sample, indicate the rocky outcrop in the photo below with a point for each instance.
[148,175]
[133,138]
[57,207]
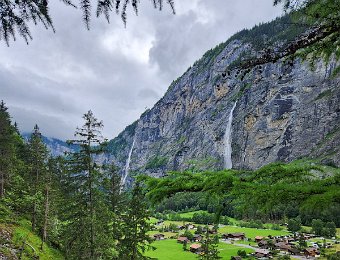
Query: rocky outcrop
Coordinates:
[284,111]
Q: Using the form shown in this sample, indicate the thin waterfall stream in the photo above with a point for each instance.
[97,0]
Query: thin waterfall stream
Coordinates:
[227,140]
[127,165]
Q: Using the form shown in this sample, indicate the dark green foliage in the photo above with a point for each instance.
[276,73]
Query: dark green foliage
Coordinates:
[242,253]
[335,256]
[37,161]
[203,218]
[134,240]
[7,149]
[188,234]
[317,226]
[184,201]
[86,212]
[272,193]
[326,229]
[302,242]
[156,162]
[251,224]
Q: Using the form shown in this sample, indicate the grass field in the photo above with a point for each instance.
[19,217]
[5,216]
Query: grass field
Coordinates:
[252,232]
[191,214]
[171,250]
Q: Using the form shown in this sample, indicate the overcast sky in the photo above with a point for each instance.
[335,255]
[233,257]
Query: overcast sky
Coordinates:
[116,72]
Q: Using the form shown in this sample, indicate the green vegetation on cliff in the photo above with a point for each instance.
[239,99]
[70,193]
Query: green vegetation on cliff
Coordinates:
[275,192]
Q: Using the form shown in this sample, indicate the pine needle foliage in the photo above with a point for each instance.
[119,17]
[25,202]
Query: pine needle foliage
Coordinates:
[16,15]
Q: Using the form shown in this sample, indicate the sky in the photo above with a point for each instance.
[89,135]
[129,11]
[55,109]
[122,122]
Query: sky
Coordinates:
[117,72]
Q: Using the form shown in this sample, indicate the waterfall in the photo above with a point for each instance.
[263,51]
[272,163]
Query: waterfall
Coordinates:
[127,165]
[227,140]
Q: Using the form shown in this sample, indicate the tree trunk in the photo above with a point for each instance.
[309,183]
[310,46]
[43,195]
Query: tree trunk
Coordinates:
[2,184]
[91,200]
[44,235]
[34,213]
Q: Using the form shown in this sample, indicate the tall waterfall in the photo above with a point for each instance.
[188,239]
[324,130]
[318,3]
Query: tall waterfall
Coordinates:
[227,141]
[127,165]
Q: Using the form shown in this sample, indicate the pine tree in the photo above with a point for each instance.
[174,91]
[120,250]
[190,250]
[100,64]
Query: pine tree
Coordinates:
[135,240]
[7,149]
[38,155]
[86,209]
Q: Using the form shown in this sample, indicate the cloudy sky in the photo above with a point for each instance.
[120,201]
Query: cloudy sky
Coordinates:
[117,72]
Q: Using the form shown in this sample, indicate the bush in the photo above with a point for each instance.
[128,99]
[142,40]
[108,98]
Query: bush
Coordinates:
[242,253]
[276,227]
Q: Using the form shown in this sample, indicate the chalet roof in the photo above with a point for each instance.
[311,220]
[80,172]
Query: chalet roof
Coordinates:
[195,246]
[182,239]
[311,250]
[262,251]
[236,234]
[294,250]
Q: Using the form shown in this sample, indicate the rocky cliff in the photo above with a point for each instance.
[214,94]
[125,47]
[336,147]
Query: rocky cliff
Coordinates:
[284,111]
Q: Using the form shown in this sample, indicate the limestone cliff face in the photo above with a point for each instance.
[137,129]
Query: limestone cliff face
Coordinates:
[284,111]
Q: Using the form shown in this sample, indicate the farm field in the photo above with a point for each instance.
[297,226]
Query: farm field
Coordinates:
[169,249]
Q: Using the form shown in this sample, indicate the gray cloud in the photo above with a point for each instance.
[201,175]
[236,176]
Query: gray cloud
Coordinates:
[114,71]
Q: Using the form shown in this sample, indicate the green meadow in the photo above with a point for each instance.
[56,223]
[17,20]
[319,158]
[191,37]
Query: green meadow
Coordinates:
[169,249]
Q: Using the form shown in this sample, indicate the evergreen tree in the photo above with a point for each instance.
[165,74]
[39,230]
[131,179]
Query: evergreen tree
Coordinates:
[86,209]
[317,226]
[294,225]
[135,225]
[37,153]
[7,149]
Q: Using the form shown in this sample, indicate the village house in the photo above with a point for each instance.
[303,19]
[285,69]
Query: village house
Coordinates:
[260,253]
[197,238]
[282,246]
[263,244]
[195,248]
[182,240]
[311,252]
[158,236]
[190,226]
[234,236]
[181,227]
[294,251]
[258,239]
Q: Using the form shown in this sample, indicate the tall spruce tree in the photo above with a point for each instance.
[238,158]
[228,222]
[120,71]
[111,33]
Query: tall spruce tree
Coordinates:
[86,212]
[135,241]
[38,155]
[7,148]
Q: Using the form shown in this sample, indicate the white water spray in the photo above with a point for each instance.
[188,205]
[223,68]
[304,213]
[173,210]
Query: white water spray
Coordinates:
[227,141]
[127,165]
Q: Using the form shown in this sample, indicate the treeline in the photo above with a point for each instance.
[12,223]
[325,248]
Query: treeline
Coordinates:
[73,203]
[276,192]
